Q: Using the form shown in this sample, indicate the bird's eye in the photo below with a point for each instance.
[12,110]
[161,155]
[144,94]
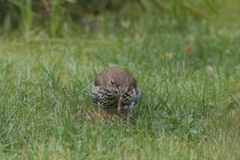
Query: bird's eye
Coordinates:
[112,82]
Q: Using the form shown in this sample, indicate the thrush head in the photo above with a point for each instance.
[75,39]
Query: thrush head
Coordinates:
[116,78]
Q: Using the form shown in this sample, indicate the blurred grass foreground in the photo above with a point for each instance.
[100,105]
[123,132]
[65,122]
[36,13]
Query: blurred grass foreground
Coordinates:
[184,54]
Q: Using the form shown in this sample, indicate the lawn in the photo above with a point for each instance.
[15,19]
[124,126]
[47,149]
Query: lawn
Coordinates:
[188,75]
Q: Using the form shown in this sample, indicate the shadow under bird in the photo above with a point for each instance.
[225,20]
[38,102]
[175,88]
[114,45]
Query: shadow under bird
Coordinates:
[115,91]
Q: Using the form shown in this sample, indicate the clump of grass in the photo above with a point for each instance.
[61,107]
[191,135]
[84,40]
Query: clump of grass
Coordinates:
[55,18]
[26,17]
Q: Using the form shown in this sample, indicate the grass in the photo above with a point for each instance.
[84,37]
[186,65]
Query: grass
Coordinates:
[59,17]
[188,75]
[26,17]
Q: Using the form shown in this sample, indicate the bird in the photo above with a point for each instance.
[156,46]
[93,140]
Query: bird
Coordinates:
[116,91]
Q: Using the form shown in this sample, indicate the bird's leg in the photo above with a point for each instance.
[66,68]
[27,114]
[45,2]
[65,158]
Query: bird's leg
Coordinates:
[128,117]
[119,105]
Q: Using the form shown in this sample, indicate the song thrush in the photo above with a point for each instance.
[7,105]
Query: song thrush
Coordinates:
[115,90]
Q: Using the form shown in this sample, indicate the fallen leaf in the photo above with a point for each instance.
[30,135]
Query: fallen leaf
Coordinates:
[188,49]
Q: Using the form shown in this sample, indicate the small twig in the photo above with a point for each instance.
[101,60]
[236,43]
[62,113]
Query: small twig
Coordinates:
[119,105]
[128,117]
